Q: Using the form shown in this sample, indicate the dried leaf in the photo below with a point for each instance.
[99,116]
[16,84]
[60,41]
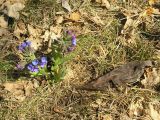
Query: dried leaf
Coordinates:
[20,28]
[128,23]
[136,108]
[66,5]
[57,30]
[151,77]
[3,31]
[106,4]
[13,10]
[34,36]
[75,16]
[155,115]
[36,42]
[29,88]
[59,19]
[35,32]
[3,23]
[152,2]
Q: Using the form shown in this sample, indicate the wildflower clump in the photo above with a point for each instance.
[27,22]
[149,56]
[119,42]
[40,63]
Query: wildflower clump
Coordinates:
[49,66]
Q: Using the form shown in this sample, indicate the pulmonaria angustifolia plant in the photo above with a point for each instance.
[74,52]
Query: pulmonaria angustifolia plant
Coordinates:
[30,64]
[50,66]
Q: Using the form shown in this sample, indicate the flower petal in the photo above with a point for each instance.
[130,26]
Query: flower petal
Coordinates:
[35,62]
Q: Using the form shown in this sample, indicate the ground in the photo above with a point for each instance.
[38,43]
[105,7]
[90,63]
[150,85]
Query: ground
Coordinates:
[109,34]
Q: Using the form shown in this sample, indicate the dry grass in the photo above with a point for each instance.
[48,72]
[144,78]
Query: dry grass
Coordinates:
[98,51]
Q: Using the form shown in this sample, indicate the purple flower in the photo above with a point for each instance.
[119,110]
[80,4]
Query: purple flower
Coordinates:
[43,61]
[71,48]
[20,48]
[36,69]
[42,65]
[35,62]
[74,40]
[32,68]
[28,43]
[25,44]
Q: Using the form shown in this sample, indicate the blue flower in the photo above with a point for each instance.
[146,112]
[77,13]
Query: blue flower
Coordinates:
[42,65]
[32,68]
[36,69]
[43,61]
[35,62]
[71,48]
[20,48]
[28,43]
[25,44]
[74,40]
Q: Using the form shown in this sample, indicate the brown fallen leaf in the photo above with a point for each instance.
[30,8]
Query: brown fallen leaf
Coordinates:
[106,4]
[20,89]
[29,88]
[75,16]
[19,29]
[3,22]
[136,108]
[59,19]
[121,76]
[152,2]
[13,10]
[3,31]
[34,36]
[151,77]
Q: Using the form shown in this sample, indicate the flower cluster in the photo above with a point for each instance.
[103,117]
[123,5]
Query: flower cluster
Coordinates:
[24,45]
[73,44]
[36,64]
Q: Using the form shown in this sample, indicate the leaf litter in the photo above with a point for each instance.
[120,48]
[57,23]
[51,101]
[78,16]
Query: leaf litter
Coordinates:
[77,22]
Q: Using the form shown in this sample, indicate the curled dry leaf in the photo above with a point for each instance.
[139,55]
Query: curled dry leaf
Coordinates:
[3,22]
[151,77]
[66,5]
